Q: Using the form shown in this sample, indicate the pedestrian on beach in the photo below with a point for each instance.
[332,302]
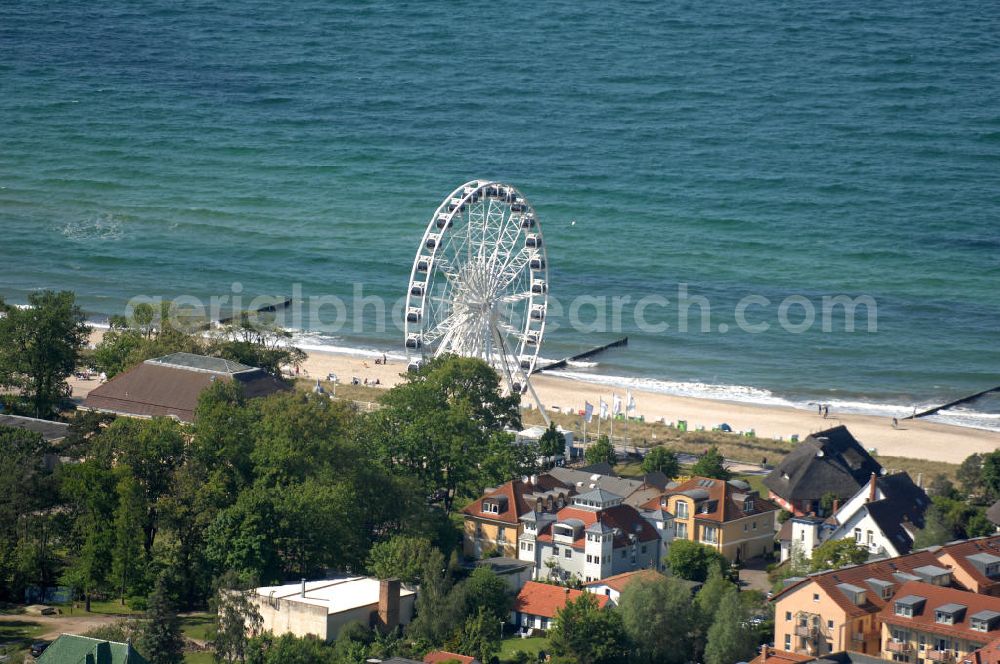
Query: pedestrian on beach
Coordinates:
[384,359]
[895,423]
[826,411]
[819,409]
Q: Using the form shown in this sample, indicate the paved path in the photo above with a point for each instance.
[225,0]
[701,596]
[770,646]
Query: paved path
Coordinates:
[63,623]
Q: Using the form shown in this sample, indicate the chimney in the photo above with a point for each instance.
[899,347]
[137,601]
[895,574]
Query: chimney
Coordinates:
[302,593]
[871,489]
[388,604]
[763,652]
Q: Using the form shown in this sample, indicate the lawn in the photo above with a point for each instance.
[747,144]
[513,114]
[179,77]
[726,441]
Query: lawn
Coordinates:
[203,657]
[198,626]
[531,645]
[18,635]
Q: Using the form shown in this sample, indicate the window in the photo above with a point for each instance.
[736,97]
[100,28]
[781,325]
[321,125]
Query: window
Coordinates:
[502,534]
[531,547]
[755,525]
[644,548]
[682,509]
[569,552]
[980,625]
[710,534]
[555,551]
[681,530]
[590,558]
[788,642]
[944,618]
[788,615]
[815,597]
[857,536]
[829,624]
[745,527]
[748,505]
[903,610]
[524,546]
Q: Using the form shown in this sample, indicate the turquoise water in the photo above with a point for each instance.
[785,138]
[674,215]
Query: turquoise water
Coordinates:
[765,148]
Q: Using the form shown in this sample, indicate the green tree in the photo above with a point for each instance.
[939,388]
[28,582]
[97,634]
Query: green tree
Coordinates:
[90,490]
[837,553]
[236,617]
[479,636]
[161,641]
[39,349]
[485,591]
[256,340]
[658,618]
[935,531]
[288,649]
[662,459]
[711,464]
[970,475]
[403,557]
[505,459]
[826,503]
[553,442]
[991,475]
[708,597]
[692,561]
[149,331]
[437,426]
[940,485]
[439,607]
[26,489]
[729,639]
[586,634]
[128,557]
[600,452]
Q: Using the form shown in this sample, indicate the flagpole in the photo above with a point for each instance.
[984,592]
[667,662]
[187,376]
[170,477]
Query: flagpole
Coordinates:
[613,413]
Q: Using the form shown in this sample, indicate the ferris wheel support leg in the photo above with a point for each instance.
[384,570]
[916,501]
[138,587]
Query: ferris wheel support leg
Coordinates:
[538,402]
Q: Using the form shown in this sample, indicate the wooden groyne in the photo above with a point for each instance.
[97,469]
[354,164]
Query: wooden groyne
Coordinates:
[559,364]
[950,404]
[267,308]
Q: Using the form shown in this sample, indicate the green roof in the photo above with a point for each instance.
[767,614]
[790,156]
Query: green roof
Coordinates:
[73,649]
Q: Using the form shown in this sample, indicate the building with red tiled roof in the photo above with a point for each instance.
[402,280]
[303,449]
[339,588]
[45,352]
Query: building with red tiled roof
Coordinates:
[771,656]
[988,654]
[613,586]
[841,609]
[595,537]
[493,522]
[443,656]
[537,603]
[936,623]
[727,516]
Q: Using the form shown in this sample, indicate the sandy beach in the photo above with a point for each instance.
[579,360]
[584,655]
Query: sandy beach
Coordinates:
[916,439]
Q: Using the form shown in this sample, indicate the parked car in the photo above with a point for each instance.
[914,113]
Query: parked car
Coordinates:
[38,647]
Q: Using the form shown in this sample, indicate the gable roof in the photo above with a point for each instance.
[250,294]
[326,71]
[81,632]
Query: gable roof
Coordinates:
[543,599]
[170,386]
[722,501]
[85,650]
[898,514]
[619,581]
[445,656]
[624,520]
[958,554]
[858,575]
[830,461]
[633,491]
[521,497]
[949,599]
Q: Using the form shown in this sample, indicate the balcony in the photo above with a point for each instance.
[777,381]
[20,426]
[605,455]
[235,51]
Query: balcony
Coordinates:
[806,631]
[898,646]
[940,655]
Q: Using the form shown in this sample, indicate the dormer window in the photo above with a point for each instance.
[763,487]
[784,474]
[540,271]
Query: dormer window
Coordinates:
[949,614]
[905,611]
[984,621]
[682,510]
[748,505]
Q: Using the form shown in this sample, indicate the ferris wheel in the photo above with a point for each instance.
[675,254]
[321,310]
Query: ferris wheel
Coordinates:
[479,283]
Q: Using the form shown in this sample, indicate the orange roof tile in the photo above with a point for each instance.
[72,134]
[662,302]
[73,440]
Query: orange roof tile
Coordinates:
[619,581]
[445,656]
[720,496]
[542,599]
[772,656]
[517,492]
[937,596]
[988,654]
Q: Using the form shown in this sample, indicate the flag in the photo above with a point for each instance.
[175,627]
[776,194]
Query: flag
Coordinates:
[588,411]
[604,408]
[617,404]
[629,401]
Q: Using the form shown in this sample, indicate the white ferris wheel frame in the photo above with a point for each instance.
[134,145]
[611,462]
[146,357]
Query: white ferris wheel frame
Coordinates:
[479,283]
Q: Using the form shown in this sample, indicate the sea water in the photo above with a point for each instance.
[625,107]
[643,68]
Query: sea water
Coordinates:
[762,149]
